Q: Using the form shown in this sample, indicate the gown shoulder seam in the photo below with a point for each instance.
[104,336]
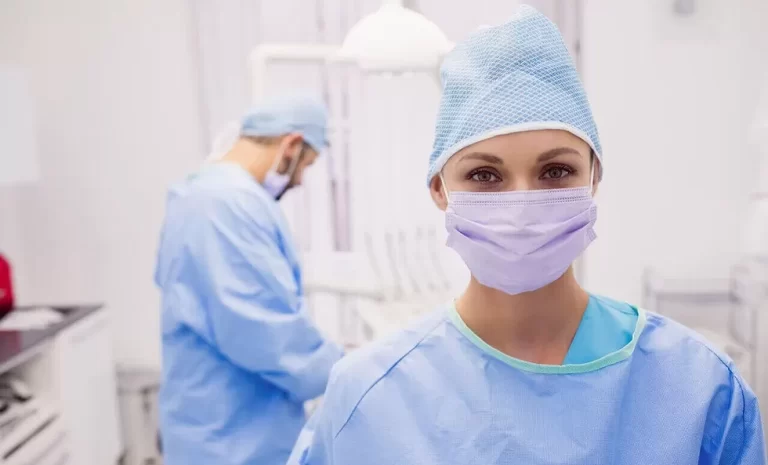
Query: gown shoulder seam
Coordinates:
[736,379]
[388,370]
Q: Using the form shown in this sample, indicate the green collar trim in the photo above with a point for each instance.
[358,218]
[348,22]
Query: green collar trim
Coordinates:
[602,362]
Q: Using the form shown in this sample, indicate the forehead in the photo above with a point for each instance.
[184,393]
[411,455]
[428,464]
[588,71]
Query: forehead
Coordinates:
[528,145]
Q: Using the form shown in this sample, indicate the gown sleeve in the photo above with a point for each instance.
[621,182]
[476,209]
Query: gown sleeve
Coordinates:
[740,439]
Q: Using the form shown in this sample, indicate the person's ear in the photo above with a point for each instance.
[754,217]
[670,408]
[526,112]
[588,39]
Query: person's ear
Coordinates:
[294,143]
[438,193]
[289,148]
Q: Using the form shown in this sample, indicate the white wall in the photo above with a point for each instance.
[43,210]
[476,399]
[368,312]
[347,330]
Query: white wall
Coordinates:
[121,116]
[673,99]
[130,94]
[118,121]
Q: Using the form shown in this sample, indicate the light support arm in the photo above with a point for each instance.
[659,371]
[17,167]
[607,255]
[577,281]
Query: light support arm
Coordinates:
[301,53]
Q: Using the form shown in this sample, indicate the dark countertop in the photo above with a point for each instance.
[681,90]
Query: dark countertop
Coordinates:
[16,347]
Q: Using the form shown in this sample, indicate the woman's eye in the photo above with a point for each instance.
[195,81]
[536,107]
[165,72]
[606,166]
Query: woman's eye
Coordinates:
[484,177]
[556,172]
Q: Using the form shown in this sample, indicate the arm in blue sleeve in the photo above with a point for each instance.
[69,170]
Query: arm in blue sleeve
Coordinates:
[743,439]
[256,316]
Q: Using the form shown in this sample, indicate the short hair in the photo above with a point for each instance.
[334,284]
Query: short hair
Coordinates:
[270,140]
[264,140]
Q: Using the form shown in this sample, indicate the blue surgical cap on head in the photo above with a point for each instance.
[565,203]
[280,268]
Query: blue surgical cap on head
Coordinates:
[510,78]
[286,114]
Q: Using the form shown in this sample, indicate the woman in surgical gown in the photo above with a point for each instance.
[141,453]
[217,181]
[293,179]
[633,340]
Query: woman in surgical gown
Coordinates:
[526,367]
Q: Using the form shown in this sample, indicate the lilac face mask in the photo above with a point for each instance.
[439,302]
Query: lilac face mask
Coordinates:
[520,241]
[277,183]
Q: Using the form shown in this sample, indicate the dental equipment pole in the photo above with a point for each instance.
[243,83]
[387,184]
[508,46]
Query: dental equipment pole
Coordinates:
[265,54]
[392,40]
[756,228]
[756,246]
[570,16]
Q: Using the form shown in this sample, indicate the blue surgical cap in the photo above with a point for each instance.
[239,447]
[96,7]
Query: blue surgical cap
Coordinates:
[286,114]
[510,78]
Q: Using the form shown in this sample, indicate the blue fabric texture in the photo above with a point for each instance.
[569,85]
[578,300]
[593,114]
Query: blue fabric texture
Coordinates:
[282,115]
[607,326]
[240,353]
[430,395]
[515,77]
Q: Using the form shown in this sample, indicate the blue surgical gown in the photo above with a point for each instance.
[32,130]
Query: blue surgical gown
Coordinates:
[437,394]
[240,354]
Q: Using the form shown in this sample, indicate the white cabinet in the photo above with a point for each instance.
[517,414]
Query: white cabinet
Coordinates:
[71,374]
[84,379]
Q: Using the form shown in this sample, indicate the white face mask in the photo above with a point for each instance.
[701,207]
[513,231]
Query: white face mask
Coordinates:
[277,183]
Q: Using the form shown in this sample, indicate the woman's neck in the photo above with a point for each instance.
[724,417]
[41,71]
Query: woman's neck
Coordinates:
[536,326]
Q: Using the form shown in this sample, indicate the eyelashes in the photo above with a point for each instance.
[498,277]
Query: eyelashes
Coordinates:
[550,173]
[556,172]
[483,176]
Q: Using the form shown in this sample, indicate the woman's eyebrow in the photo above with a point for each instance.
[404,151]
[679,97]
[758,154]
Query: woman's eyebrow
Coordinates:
[552,153]
[487,157]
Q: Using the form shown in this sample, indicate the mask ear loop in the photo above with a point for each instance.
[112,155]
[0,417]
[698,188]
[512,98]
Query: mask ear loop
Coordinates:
[445,189]
[294,162]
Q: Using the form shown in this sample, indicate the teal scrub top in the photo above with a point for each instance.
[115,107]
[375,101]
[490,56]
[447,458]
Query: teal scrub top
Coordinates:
[606,327]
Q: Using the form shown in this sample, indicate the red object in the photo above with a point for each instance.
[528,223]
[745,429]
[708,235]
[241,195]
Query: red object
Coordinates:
[6,287]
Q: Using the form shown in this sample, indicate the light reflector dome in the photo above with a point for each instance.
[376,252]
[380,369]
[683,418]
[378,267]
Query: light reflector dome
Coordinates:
[395,39]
